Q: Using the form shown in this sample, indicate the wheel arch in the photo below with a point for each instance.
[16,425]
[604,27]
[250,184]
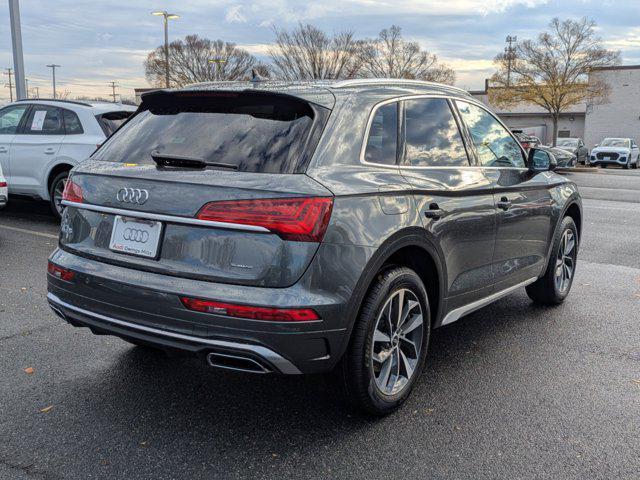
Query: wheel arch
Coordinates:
[53,172]
[411,248]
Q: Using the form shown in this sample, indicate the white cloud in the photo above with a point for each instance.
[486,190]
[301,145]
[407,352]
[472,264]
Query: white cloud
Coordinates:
[235,15]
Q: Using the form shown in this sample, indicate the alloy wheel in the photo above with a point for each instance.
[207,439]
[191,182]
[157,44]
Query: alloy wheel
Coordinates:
[565,261]
[397,342]
[58,190]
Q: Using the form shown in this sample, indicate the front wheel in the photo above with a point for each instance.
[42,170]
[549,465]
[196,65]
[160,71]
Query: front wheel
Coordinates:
[554,286]
[389,343]
[55,193]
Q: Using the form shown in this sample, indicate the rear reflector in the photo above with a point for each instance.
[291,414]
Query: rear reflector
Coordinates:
[302,219]
[249,312]
[72,192]
[59,272]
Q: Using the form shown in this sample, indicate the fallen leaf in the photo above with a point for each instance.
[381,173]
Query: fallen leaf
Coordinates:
[428,410]
[46,409]
[637,382]
[29,370]
[144,444]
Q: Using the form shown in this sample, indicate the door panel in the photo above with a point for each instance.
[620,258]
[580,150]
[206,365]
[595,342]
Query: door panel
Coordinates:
[454,200]
[10,118]
[524,224]
[35,147]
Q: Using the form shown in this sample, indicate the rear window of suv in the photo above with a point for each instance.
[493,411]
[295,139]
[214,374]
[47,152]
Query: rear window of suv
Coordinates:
[253,132]
[109,122]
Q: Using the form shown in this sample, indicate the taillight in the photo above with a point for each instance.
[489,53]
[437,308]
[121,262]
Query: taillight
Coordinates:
[59,272]
[302,219]
[3,184]
[250,312]
[72,192]
[525,145]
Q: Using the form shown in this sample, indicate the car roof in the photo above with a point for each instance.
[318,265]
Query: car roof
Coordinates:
[98,107]
[324,92]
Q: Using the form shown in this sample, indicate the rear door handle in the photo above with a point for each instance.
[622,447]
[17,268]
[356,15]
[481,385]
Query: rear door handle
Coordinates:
[434,212]
[3,150]
[504,203]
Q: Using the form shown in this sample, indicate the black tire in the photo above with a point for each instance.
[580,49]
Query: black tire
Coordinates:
[57,182]
[635,165]
[626,165]
[546,290]
[356,372]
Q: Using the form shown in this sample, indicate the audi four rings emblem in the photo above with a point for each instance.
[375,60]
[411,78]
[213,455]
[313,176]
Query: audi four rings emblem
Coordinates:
[132,195]
[135,235]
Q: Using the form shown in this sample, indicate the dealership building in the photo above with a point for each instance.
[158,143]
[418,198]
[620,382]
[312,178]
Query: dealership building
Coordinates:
[618,116]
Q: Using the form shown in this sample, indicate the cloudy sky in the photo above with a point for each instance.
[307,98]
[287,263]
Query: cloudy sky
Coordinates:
[99,41]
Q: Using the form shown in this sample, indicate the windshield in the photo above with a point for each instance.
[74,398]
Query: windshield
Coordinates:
[567,142]
[616,142]
[255,133]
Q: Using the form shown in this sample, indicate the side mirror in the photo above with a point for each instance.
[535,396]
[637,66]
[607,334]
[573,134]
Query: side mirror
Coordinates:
[541,160]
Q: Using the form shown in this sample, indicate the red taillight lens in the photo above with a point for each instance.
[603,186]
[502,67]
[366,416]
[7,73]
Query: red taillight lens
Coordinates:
[59,272]
[298,219]
[72,192]
[249,312]
[525,145]
[3,184]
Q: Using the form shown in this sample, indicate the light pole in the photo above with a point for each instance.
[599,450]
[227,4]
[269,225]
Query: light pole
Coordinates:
[53,67]
[167,16]
[16,42]
[218,62]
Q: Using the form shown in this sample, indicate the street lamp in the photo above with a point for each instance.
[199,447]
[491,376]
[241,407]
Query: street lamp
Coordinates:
[218,62]
[167,16]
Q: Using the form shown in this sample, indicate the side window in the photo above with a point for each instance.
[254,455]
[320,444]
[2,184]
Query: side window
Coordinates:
[383,136]
[495,146]
[72,125]
[432,135]
[44,120]
[10,118]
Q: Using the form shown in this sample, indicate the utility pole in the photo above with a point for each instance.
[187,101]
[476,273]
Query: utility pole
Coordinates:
[16,41]
[10,84]
[510,50]
[218,62]
[53,67]
[37,92]
[113,84]
[26,86]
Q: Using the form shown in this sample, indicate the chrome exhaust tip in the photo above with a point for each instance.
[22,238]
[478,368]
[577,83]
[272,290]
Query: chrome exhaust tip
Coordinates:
[236,362]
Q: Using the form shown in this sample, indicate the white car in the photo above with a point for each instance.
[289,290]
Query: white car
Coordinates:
[4,190]
[41,140]
[616,151]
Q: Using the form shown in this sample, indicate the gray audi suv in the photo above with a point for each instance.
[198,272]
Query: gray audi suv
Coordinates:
[299,228]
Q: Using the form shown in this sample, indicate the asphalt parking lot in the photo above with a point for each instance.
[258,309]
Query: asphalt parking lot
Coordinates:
[511,391]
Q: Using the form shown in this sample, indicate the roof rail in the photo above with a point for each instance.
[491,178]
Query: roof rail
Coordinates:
[385,81]
[55,100]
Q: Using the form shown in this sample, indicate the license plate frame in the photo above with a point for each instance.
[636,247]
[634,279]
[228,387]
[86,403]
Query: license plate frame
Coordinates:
[141,240]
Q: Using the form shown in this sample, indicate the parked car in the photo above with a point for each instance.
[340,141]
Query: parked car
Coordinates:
[564,159]
[576,147]
[616,151]
[41,140]
[295,228]
[527,141]
[4,190]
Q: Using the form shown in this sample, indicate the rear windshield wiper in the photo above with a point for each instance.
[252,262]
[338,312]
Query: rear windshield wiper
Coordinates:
[166,160]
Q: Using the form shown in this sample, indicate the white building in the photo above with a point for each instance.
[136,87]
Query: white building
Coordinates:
[619,116]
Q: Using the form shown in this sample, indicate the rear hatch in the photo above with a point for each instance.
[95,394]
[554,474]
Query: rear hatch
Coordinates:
[250,216]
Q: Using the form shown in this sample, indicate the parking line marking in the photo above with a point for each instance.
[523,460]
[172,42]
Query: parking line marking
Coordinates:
[32,232]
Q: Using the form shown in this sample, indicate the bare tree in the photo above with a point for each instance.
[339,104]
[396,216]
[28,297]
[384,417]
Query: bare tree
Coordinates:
[196,59]
[553,70]
[309,53]
[390,56]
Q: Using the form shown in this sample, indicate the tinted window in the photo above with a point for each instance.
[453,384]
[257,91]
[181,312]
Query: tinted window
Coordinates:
[383,136]
[112,120]
[72,125]
[253,132]
[495,147]
[432,135]
[44,120]
[10,118]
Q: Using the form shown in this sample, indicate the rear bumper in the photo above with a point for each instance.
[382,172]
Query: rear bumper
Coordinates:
[145,307]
